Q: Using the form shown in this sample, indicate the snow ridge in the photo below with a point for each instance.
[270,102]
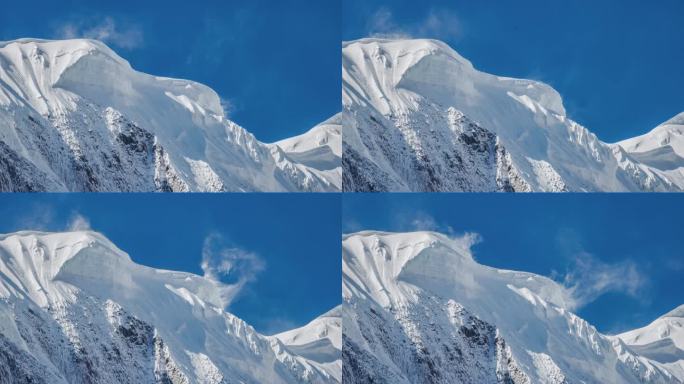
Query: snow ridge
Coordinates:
[400,101]
[76,117]
[419,309]
[661,341]
[74,308]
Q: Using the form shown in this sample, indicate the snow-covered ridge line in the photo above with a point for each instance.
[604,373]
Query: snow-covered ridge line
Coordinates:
[76,116]
[420,117]
[143,324]
[662,340]
[419,309]
[319,341]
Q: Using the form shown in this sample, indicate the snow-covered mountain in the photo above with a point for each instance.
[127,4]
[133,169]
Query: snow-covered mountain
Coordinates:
[75,309]
[319,342]
[74,116]
[662,148]
[417,308]
[661,341]
[320,149]
[419,117]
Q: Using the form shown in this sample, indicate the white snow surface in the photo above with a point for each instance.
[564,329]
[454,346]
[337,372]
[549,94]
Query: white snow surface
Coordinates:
[398,96]
[74,309]
[419,303]
[320,149]
[662,340]
[75,116]
[661,148]
[320,342]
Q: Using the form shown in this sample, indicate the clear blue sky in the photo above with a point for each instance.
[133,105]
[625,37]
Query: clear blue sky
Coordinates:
[296,235]
[632,242]
[276,62]
[617,63]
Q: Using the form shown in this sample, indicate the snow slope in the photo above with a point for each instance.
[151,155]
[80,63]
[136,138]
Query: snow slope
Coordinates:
[320,149]
[74,116]
[419,117]
[661,148]
[75,309]
[661,341]
[419,309]
[320,342]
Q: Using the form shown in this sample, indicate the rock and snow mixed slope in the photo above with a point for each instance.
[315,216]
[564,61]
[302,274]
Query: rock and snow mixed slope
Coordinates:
[76,309]
[419,309]
[74,116]
[419,117]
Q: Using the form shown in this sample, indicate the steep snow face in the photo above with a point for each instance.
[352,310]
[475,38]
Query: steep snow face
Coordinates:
[661,341]
[419,308]
[74,308]
[400,99]
[320,342]
[75,116]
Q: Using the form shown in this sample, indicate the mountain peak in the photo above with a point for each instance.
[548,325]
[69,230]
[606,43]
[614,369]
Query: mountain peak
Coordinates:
[82,105]
[676,120]
[401,316]
[442,263]
[402,46]
[64,45]
[79,287]
[677,312]
[36,262]
[410,243]
[666,137]
[57,53]
[62,240]
[432,69]
[402,93]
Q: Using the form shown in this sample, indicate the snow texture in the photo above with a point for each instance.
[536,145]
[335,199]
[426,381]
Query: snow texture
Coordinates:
[417,308]
[417,116]
[76,309]
[74,116]
[661,341]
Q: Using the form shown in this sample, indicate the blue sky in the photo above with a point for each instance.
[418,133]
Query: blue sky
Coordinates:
[292,271]
[624,251]
[617,63]
[277,63]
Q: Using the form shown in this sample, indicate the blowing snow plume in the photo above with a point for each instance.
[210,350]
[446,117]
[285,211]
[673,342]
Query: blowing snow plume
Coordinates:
[231,266]
[75,308]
